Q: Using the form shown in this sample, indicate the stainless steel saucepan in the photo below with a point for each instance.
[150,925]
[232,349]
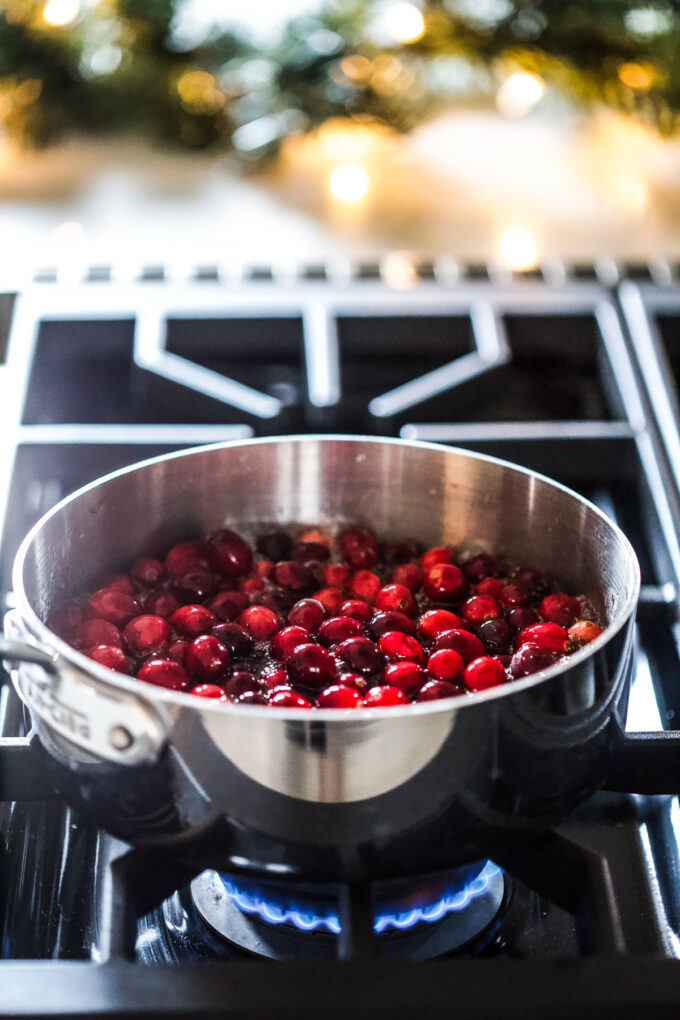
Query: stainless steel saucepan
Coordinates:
[415,786]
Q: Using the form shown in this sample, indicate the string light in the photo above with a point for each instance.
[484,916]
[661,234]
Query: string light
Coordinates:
[405,23]
[349,182]
[519,93]
[399,270]
[61,12]
[518,247]
[639,76]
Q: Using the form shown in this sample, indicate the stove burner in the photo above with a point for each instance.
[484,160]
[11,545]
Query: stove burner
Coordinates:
[440,915]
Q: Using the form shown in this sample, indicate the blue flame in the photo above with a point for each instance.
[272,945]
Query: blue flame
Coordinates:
[250,902]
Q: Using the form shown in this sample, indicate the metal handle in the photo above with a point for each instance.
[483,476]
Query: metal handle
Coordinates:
[17,651]
[647,763]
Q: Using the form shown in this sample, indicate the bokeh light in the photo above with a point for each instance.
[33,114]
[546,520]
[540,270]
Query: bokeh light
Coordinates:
[519,93]
[61,12]
[404,22]
[518,248]
[349,182]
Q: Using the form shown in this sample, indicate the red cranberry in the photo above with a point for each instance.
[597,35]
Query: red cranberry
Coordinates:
[310,552]
[230,554]
[365,585]
[400,551]
[260,622]
[164,673]
[206,657]
[357,609]
[227,605]
[110,656]
[160,603]
[467,645]
[490,586]
[434,621]
[264,568]
[190,621]
[497,635]
[384,697]
[67,620]
[407,676]
[287,640]
[335,574]
[522,617]
[286,697]
[185,555]
[583,632]
[114,606]
[330,598]
[445,583]
[252,698]
[395,645]
[530,658]
[359,655]
[481,566]
[315,535]
[279,600]
[177,650]
[275,546]
[339,696]
[240,681]
[535,581]
[293,575]
[118,582]
[355,680]
[546,635]
[311,666]
[480,608]
[98,632]
[209,691]
[436,556]
[411,575]
[382,622]
[396,598]
[480,674]
[252,586]
[147,635]
[359,548]
[560,608]
[307,613]
[339,628]
[194,584]
[147,571]
[446,664]
[514,596]
[433,690]
[274,676]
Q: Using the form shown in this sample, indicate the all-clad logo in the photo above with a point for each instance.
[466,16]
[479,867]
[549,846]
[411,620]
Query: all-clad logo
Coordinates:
[70,721]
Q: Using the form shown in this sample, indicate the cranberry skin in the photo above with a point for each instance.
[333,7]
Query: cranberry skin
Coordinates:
[110,656]
[315,535]
[330,598]
[560,608]
[481,566]
[535,581]
[382,622]
[260,622]
[164,673]
[467,645]
[446,664]
[584,632]
[190,621]
[114,606]
[546,635]
[515,596]
[339,696]
[411,575]
[194,584]
[522,617]
[293,575]
[310,552]
[357,609]
[206,657]
[399,552]
[530,658]
[263,568]
[209,691]
[434,690]
[433,557]
[307,613]
[160,603]
[434,621]
[230,554]
[335,574]
[252,586]
[286,697]
[279,600]
[311,666]
[480,674]
[497,635]
[147,635]
[365,585]
[287,640]
[177,650]
[359,548]
[275,545]
[148,571]
[359,655]
[395,646]
[185,555]
[480,608]
[489,586]
[274,677]
[98,632]
[407,676]
[445,583]
[227,605]
[339,628]
[67,619]
[241,681]
[118,582]
[355,680]
[252,698]
[234,637]
[396,598]
[385,697]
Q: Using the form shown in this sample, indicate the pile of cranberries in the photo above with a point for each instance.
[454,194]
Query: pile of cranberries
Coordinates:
[309,621]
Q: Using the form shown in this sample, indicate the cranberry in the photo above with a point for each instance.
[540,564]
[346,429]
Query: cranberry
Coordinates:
[118,582]
[160,603]
[497,635]
[307,613]
[530,658]
[515,595]
[335,574]
[209,691]
[534,581]
[67,620]
[444,583]
[293,575]
[206,657]
[433,690]
[330,598]
[480,608]
[467,645]
[260,622]
[384,697]
[339,696]
[395,645]
[400,551]
[311,666]
[359,548]
[310,552]
[355,680]
[365,585]
[279,600]
[490,586]
[411,575]
[286,697]
[147,635]
[357,609]
[407,676]
[227,605]
[110,656]
[522,617]
[583,632]
[190,621]
[339,628]
[547,635]
[560,608]
[252,698]
[360,655]
[446,664]
[434,621]
[264,568]
[98,632]
[147,571]
[177,650]
[482,673]
[396,598]
[481,566]
[242,680]
[252,586]
[194,584]
[275,546]
[230,554]
[115,606]
[164,673]
[185,555]
[382,622]
[315,535]
[433,557]
[287,640]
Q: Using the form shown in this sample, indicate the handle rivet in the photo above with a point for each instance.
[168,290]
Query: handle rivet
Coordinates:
[120,738]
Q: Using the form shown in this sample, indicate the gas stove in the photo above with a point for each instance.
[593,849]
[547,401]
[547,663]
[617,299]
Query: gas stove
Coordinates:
[572,372]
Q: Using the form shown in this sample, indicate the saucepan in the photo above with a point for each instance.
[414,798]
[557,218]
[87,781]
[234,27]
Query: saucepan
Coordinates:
[388,790]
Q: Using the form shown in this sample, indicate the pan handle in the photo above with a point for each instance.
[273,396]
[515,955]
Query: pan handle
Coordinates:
[647,763]
[17,651]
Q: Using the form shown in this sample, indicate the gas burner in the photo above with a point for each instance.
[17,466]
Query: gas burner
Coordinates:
[435,916]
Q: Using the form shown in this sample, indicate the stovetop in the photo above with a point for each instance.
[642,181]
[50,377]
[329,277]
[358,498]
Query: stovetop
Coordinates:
[571,373]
